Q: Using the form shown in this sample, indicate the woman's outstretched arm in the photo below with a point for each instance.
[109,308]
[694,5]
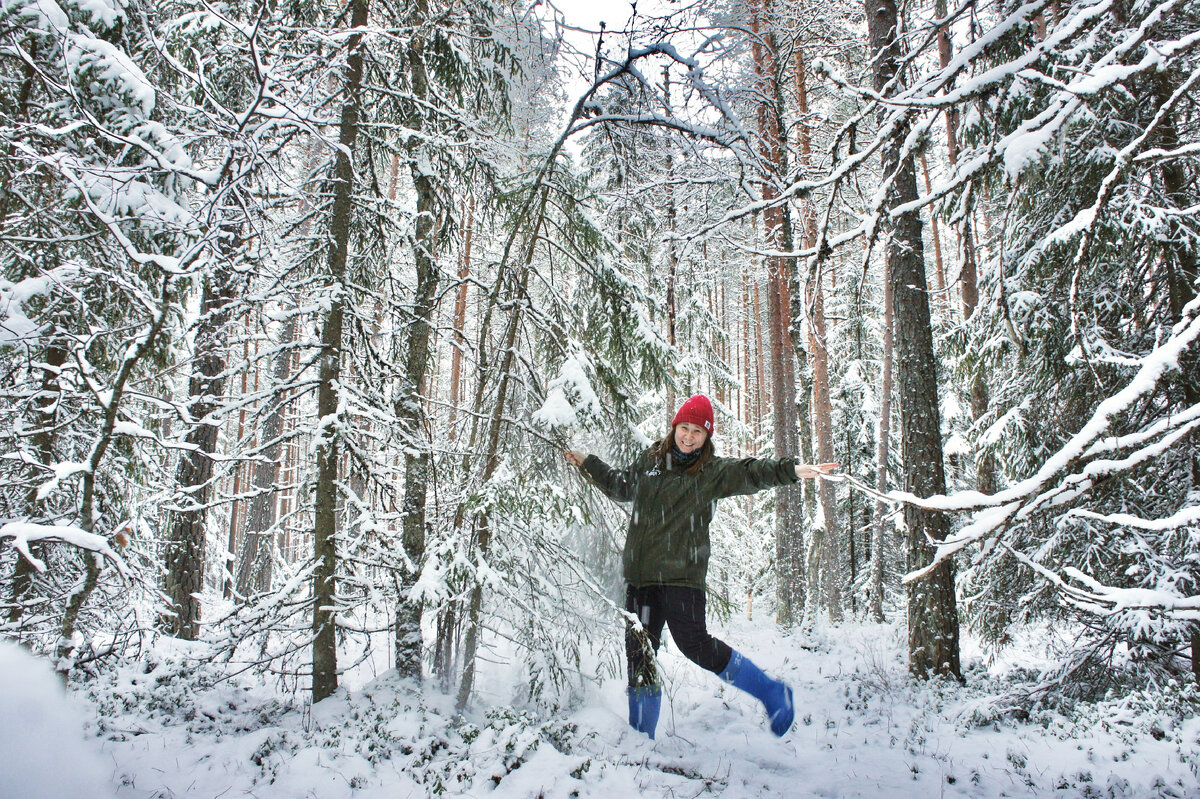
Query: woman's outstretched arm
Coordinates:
[618,484]
[751,475]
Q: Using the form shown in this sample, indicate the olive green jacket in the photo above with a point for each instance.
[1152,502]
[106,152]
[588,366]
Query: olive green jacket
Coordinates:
[667,542]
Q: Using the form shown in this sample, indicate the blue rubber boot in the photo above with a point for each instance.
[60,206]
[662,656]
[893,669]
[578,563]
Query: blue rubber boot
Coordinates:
[645,701]
[775,696]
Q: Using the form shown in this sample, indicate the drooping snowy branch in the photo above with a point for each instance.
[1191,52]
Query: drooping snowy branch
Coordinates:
[1088,594]
[1066,474]
[23,534]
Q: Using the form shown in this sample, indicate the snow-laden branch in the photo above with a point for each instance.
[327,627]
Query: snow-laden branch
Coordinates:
[122,193]
[1046,488]
[1089,594]
[917,105]
[1181,518]
[24,533]
[15,326]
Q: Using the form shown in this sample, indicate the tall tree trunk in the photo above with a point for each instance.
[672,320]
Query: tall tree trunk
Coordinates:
[259,542]
[239,469]
[747,372]
[672,254]
[535,208]
[777,235]
[328,450]
[460,318]
[447,621]
[809,238]
[55,356]
[882,454]
[24,95]
[789,499]
[936,236]
[186,541]
[483,530]
[985,464]
[831,588]
[932,614]
[257,557]
[410,407]
[65,650]
[1182,274]
[829,531]
[762,388]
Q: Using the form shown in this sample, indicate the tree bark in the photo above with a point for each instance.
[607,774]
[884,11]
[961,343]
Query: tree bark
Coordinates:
[932,613]
[186,542]
[882,454]
[255,565]
[325,517]
[410,407]
[789,537]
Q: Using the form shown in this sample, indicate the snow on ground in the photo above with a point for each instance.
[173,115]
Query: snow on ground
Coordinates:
[863,730]
[44,752]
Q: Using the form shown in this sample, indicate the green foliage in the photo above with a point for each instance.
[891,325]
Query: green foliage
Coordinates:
[1073,309]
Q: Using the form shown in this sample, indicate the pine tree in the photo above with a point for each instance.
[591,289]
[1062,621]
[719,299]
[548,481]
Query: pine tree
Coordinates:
[932,614]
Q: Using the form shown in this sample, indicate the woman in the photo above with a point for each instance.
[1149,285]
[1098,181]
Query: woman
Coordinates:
[674,487]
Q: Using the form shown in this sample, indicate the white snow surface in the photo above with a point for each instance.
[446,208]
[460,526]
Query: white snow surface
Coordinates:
[105,13]
[95,59]
[15,326]
[863,729]
[568,395]
[46,755]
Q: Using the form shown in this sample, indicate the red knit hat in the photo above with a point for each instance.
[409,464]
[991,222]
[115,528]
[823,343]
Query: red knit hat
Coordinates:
[697,410]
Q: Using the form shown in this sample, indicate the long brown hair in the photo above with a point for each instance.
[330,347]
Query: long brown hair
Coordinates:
[663,448]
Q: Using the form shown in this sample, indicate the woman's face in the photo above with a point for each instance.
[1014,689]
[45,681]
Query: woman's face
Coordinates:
[689,437]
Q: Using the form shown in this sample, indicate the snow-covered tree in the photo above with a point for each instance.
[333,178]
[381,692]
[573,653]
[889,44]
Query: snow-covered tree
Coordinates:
[100,244]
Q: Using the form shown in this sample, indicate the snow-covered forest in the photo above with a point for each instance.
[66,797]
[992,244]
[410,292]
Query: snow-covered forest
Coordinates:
[302,302]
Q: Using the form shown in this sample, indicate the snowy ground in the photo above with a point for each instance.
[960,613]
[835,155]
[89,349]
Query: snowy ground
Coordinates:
[863,730]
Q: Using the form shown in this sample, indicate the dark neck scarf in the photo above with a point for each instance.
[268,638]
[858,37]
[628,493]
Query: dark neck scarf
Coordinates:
[681,459]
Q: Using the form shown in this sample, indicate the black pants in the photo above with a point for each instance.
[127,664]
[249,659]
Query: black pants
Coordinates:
[682,609]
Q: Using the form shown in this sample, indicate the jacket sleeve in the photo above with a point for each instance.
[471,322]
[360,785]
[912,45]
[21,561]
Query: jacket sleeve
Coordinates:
[618,484]
[750,475]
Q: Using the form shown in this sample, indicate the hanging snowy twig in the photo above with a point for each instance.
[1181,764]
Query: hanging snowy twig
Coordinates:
[25,533]
[1103,600]
[1049,487]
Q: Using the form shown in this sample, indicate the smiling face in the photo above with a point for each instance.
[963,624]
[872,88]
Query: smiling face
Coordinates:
[689,437]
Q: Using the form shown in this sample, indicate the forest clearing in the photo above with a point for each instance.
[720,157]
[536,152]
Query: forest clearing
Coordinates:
[381,383]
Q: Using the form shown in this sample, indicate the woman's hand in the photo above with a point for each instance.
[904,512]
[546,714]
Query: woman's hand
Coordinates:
[804,470]
[574,457]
